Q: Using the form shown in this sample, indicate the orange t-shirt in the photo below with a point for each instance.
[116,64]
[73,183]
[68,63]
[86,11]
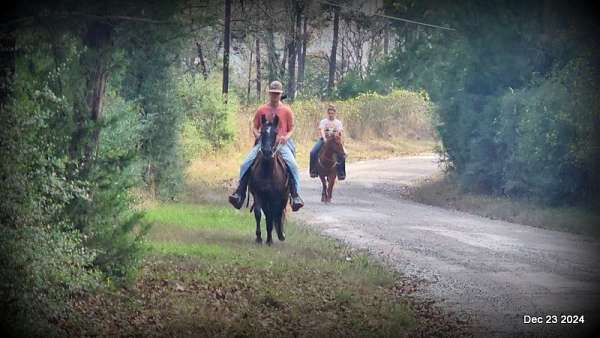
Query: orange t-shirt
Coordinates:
[283,111]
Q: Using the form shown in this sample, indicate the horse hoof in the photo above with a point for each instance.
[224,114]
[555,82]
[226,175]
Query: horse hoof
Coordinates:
[269,243]
[259,241]
[281,236]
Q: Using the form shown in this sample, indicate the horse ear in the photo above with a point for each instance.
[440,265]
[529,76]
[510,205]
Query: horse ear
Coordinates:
[276,121]
[263,119]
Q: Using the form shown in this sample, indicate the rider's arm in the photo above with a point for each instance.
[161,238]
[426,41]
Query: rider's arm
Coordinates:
[289,134]
[256,132]
[322,130]
[291,127]
[256,124]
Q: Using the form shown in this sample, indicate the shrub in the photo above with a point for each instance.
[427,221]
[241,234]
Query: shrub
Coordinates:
[42,268]
[206,109]
[369,114]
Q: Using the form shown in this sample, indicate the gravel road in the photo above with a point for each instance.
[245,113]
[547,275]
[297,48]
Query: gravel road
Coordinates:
[492,271]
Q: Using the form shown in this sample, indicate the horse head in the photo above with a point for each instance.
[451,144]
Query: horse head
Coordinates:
[334,140]
[268,137]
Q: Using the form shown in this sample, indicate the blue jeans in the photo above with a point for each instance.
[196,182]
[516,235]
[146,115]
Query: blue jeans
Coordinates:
[288,154]
[314,153]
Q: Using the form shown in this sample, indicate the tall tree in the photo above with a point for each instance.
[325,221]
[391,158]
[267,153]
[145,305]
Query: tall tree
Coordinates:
[249,77]
[332,56]
[272,57]
[258,73]
[386,39]
[96,61]
[201,60]
[226,42]
[292,51]
[302,54]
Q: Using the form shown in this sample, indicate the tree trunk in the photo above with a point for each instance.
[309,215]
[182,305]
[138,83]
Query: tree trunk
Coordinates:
[202,61]
[284,59]
[386,39]
[96,61]
[272,56]
[343,62]
[249,79]
[226,41]
[302,56]
[258,74]
[292,54]
[332,57]
[7,65]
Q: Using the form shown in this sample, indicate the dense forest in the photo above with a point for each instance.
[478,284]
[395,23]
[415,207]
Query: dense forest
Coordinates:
[95,97]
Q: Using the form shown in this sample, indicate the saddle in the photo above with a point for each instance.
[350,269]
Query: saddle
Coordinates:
[279,160]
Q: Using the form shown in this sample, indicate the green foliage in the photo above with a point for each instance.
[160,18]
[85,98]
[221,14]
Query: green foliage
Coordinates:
[352,85]
[41,268]
[315,78]
[207,111]
[369,114]
[148,78]
[105,216]
[553,149]
[513,85]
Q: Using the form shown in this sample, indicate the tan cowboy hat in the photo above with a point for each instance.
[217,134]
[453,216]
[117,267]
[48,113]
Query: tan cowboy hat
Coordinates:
[275,87]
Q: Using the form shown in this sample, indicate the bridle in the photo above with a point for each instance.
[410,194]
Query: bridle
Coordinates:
[277,149]
[330,160]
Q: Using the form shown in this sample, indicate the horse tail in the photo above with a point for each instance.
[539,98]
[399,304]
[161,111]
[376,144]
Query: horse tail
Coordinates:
[248,202]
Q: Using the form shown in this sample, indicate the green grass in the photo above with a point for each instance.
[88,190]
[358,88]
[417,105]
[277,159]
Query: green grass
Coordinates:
[444,191]
[203,275]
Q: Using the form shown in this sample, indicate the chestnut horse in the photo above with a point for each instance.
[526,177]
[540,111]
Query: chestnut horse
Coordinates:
[268,183]
[327,164]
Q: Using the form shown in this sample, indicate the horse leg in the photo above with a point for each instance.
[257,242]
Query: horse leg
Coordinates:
[279,221]
[257,216]
[324,191]
[269,219]
[331,180]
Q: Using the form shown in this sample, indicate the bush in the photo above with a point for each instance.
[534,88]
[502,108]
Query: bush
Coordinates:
[42,268]
[205,108]
[105,214]
[554,146]
[369,114]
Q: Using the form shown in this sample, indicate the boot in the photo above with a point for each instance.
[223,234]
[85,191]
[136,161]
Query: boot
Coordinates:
[297,201]
[237,198]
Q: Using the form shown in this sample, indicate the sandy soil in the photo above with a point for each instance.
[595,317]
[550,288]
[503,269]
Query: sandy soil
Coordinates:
[491,271]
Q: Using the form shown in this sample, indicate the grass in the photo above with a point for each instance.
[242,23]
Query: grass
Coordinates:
[444,191]
[203,275]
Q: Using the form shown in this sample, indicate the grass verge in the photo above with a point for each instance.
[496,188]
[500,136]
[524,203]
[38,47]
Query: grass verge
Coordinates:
[445,192]
[203,275]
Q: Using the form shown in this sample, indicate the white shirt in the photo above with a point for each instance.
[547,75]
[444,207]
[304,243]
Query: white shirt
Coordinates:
[331,125]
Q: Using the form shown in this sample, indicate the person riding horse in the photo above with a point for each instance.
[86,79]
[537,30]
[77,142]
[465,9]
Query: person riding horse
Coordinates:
[328,125]
[286,146]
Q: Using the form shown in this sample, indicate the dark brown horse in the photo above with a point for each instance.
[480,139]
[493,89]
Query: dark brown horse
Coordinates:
[326,166]
[269,183]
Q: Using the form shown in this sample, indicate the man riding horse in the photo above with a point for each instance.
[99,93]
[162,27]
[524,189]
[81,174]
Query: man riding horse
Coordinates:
[285,145]
[328,125]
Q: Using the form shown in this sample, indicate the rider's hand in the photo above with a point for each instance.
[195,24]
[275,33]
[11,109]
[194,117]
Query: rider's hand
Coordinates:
[281,139]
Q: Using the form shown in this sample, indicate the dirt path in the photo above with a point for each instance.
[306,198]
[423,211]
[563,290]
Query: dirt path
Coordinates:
[495,272]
